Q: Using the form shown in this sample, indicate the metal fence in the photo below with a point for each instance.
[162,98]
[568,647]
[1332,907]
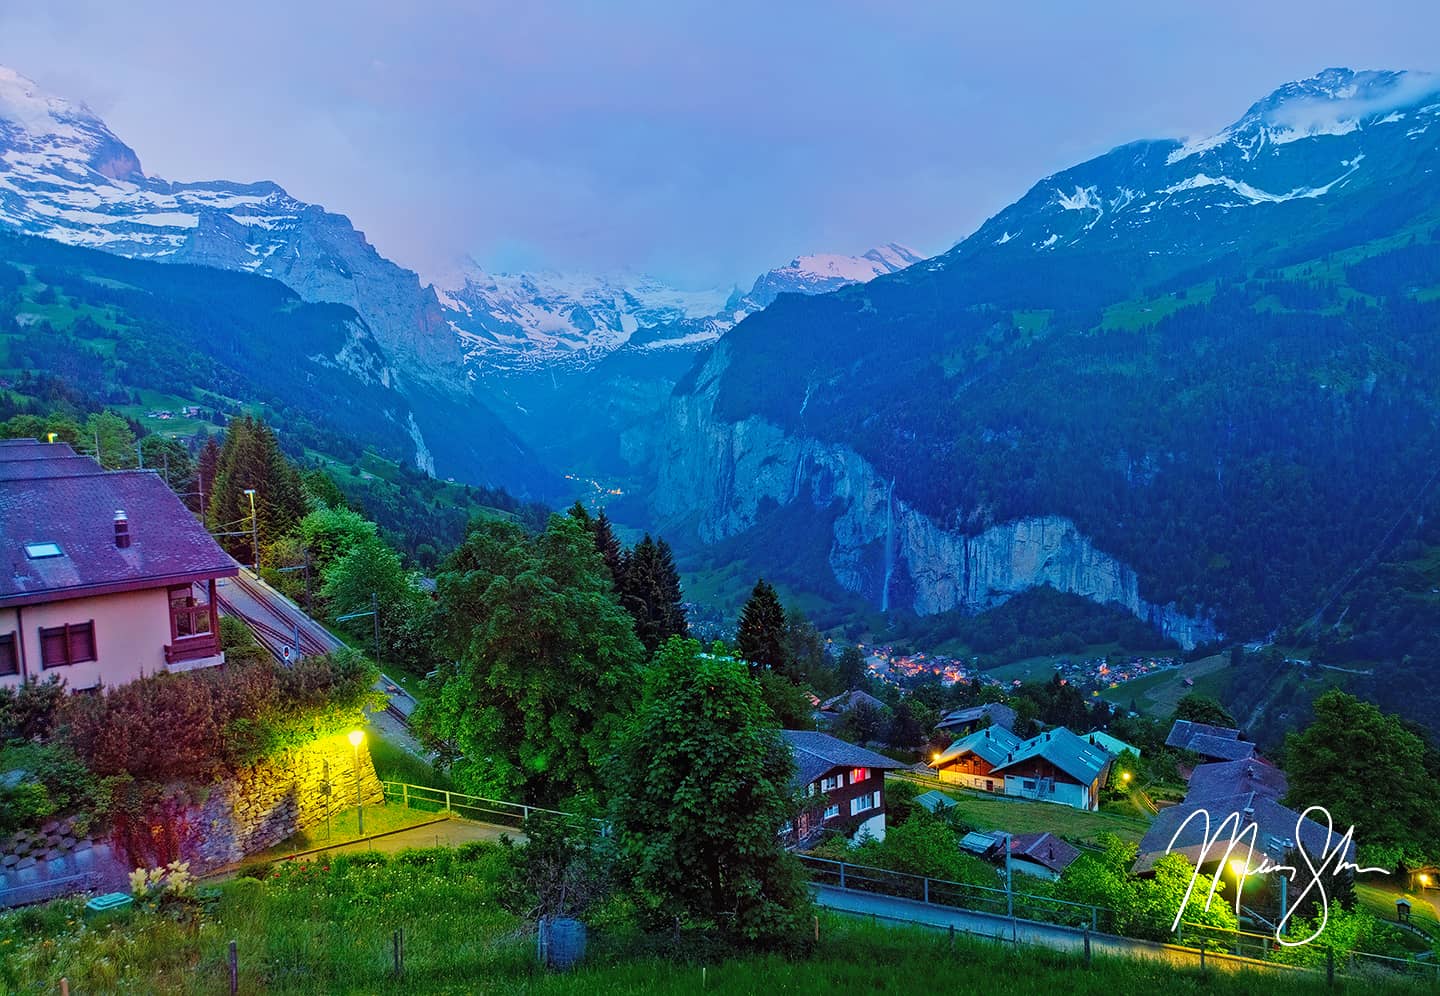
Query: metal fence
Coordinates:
[1316,956]
[957,895]
[474,807]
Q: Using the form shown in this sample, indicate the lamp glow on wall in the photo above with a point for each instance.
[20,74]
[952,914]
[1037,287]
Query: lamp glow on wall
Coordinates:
[357,737]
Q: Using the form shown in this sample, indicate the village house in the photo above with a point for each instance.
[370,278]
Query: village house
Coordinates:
[1056,766]
[1110,744]
[971,760]
[107,576]
[963,721]
[1042,855]
[1218,743]
[850,779]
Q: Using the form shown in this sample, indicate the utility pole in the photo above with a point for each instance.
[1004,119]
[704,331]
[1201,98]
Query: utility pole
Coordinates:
[254,530]
[375,613]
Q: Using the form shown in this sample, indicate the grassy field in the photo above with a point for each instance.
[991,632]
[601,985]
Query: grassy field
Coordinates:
[313,929]
[1379,898]
[1032,817]
[394,763]
[1156,695]
[344,827]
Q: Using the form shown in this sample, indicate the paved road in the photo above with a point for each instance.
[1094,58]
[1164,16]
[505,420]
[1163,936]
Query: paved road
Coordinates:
[1025,931]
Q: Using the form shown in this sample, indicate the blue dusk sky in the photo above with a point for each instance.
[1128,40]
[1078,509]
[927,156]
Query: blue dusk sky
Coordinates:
[701,142]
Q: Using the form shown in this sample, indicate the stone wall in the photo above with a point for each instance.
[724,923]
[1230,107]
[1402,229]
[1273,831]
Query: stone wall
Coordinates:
[263,805]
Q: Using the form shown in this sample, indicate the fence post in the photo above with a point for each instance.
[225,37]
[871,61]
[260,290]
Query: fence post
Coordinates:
[1330,967]
[842,874]
[1087,945]
[64,986]
[1202,956]
[405,794]
[234,969]
[524,813]
[927,890]
[1094,918]
[447,800]
[952,937]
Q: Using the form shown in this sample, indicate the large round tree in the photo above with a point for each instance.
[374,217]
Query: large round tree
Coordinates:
[700,789]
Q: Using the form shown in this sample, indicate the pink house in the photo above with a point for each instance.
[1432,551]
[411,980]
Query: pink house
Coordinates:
[104,575]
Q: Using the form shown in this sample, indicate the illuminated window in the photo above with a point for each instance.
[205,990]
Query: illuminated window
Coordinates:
[859,775]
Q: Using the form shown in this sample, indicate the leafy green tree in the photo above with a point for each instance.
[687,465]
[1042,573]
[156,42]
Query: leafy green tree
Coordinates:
[543,662]
[172,461]
[761,633]
[924,845]
[320,489]
[904,729]
[789,702]
[1203,709]
[372,568]
[862,724]
[331,532]
[651,593]
[702,787]
[1369,771]
[115,439]
[851,668]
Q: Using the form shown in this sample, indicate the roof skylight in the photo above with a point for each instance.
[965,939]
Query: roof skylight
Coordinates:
[39,551]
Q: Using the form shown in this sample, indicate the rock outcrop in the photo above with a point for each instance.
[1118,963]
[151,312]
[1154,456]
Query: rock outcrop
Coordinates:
[724,476]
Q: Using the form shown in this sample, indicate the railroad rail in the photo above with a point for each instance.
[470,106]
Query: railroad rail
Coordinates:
[275,623]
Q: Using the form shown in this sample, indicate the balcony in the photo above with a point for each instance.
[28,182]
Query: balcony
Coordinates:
[190,652]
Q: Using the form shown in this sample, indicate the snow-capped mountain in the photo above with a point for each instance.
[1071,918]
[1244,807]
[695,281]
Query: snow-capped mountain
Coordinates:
[530,320]
[65,176]
[1308,141]
[822,273]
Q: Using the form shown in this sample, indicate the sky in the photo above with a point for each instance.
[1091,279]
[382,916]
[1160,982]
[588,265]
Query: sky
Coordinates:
[700,142]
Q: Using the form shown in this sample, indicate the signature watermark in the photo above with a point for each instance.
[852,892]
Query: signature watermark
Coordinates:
[1332,862]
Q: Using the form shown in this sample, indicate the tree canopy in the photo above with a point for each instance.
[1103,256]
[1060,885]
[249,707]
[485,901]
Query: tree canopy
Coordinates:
[761,633]
[542,662]
[702,786]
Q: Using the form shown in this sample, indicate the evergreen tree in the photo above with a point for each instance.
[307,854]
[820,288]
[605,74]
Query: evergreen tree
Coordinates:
[651,593]
[251,459]
[206,468]
[701,783]
[852,668]
[761,634]
[609,548]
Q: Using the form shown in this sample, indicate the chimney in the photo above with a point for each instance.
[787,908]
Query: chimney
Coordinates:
[122,529]
[1249,771]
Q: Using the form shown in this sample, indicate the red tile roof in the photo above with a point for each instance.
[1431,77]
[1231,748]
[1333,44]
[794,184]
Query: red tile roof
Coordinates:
[77,514]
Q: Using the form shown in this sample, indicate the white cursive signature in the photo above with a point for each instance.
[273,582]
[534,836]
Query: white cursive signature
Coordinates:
[1331,859]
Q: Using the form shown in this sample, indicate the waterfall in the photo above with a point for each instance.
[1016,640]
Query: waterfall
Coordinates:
[889,546]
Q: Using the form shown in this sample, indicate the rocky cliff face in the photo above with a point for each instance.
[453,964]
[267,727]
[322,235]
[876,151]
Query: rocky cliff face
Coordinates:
[723,476]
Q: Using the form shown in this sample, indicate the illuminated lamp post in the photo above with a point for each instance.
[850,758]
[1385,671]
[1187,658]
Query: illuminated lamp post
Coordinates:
[357,737]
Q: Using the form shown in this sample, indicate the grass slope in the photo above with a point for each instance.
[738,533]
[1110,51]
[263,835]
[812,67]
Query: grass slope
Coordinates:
[327,929]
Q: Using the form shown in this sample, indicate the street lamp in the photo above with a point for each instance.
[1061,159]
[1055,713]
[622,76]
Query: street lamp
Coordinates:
[1125,777]
[254,529]
[357,737]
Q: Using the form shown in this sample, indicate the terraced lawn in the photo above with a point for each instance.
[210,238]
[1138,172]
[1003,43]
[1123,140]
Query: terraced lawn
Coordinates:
[1019,816]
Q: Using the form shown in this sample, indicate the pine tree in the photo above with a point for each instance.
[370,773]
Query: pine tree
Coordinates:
[251,459]
[651,593]
[761,634]
[610,548]
[207,467]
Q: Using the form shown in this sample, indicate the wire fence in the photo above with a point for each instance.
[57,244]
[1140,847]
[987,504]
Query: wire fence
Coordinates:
[1317,955]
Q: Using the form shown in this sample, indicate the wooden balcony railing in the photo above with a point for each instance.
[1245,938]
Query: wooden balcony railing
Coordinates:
[189,648]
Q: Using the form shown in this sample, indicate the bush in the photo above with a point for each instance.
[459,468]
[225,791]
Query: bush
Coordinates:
[28,712]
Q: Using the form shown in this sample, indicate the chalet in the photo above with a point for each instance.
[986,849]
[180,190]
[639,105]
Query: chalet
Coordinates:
[1265,829]
[1043,855]
[1226,779]
[103,572]
[845,701]
[1110,744]
[1056,766]
[847,781]
[964,721]
[971,760]
[1217,743]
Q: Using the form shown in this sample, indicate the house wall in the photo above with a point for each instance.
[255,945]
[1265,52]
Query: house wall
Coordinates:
[815,819]
[1024,866]
[131,631]
[1064,790]
[974,772]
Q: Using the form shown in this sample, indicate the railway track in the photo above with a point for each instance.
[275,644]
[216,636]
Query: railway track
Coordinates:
[275,623]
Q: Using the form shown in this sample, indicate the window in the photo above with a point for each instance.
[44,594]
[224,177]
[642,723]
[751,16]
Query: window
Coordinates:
[859,804]
[832,783]
[69,644]
[832,811]
[39,551]
[859,775]
[9,656]
[1028,784]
